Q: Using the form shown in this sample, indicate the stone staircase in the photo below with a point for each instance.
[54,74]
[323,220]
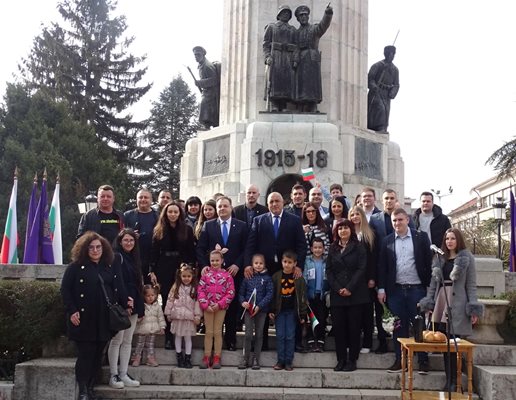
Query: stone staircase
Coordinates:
[313,377]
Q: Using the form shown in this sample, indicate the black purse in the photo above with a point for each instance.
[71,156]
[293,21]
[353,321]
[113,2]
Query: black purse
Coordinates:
[118,316]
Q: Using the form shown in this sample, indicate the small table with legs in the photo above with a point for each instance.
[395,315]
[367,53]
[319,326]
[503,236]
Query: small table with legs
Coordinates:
[409,346]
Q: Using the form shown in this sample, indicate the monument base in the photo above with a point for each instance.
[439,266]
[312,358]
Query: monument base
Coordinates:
[271,151]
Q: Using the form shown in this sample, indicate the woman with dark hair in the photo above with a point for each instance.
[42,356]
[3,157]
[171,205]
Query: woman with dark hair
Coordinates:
[454,273]
[193,210]
[128,253]
[338,208]
[346,274]
[87,313]
[208,212]
[314,226]
[172,244]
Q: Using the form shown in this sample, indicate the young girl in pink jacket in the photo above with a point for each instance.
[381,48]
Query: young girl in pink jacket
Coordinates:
[216,291]
[184,313]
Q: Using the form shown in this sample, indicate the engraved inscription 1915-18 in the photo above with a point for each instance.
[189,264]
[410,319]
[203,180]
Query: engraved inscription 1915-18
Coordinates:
[287,158]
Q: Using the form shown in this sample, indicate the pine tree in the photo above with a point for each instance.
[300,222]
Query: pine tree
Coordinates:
[503,160]
[172,123]
[87,63]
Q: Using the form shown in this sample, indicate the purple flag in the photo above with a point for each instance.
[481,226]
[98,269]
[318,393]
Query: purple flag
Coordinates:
[30,254]
[45,239]
[512,256]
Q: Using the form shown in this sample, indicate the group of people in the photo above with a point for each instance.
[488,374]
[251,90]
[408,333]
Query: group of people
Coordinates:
[217,264]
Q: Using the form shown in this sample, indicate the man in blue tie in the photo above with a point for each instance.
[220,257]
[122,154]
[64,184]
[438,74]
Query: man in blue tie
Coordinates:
[231,234]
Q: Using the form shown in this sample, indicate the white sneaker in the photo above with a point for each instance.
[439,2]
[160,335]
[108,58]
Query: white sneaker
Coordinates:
[129,382]
[115,382]
[364,350]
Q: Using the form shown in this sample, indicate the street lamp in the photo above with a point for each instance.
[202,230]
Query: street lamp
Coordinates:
[499,216]
[90,202]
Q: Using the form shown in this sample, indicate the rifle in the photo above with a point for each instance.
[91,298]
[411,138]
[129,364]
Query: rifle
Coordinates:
[193,76]
[267,87]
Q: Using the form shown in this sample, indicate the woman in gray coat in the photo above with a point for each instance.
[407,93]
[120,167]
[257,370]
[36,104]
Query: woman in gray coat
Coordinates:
[457,276]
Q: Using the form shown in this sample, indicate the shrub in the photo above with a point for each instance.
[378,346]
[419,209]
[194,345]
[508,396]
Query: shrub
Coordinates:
[31,314]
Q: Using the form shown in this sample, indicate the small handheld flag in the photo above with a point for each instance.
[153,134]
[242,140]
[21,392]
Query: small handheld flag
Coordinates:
[308,174]
[252,304]
[313,321]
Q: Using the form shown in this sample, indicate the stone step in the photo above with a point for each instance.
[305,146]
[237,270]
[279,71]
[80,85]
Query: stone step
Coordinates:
[304,360]
[267,377]
[243,393]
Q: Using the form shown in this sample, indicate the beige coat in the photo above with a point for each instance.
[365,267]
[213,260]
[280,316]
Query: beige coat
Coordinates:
[153,321]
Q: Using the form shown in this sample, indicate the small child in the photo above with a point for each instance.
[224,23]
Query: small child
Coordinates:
[149,326]
[314,274]
[184,313]
[288,304]
[215,292]
[256,307]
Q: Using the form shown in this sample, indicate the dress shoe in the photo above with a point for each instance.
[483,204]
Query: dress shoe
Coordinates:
[381,349]
[340,366]
[278,367]
[231,347]
[350,366]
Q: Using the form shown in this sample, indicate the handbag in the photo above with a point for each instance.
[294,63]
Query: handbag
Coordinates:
[118,316]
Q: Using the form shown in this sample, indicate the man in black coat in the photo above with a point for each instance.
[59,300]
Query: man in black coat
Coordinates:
[251,209]
[229,233]
[429,218]
[404,272]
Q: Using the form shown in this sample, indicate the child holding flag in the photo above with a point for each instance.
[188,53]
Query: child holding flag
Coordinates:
[255,295]
[315,277]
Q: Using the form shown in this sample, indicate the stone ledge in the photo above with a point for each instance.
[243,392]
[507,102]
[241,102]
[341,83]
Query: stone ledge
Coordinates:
[494,382]
[6,390]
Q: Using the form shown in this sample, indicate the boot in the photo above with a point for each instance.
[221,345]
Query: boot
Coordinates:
[205,363]
[83,391]
[137,360]
[244,363]
[216,362]
[91,393]
[180,360]
[151,361]
[188,361]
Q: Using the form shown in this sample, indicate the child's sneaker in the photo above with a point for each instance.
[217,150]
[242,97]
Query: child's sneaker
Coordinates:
[115,382]
[216,362]
[244,363]
[129,381]
[256,364]
[205,363]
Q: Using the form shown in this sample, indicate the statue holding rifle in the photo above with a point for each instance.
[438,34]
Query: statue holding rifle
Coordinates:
[209,85]
[383,84]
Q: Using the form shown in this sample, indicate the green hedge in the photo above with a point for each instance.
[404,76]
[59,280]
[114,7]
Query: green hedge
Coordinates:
[31,314]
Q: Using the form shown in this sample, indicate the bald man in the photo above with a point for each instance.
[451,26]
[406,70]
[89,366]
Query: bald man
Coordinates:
[251,209]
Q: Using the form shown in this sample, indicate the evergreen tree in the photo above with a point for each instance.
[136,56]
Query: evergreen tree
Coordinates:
[87,64]
[172,123]
[503,160]
[38,133]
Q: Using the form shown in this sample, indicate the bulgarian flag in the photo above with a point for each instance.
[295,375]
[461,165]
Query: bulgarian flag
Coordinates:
[252,303]
[313,321]
[9,253]
[54,218]
[308,174]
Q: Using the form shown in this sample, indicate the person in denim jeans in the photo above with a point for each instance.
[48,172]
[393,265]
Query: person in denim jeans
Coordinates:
[288,304]
[404,273]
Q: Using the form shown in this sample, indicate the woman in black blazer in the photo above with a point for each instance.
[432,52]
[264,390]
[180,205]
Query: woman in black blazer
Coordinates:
[346,274]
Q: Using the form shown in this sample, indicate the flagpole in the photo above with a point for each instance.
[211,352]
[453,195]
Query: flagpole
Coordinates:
[9,252]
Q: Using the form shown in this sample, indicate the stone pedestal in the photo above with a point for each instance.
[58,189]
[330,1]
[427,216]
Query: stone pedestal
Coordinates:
[276,145]
[494,314]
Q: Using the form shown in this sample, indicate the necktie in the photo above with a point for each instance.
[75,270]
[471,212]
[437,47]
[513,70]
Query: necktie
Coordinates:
[276,226]
[225,232]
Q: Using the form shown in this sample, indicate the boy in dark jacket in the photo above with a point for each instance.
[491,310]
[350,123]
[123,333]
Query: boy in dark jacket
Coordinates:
[288,304]
[255,296]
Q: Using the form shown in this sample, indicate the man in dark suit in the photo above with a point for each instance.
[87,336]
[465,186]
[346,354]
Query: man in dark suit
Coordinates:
[273,233]
[231,234]
[403,276]
[246,212]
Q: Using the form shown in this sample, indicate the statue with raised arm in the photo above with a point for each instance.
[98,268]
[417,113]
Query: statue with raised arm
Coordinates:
[308,59]
[278,51]
[383,83]
[209,85]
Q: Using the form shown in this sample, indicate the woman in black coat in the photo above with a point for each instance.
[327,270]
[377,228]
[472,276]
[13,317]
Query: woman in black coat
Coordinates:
[172,244]
[127,251]
[346,274]
[87,314]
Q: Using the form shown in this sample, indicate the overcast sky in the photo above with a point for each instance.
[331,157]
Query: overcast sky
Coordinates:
[456,105]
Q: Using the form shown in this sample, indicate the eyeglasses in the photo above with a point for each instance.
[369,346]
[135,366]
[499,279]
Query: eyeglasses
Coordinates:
[93,247]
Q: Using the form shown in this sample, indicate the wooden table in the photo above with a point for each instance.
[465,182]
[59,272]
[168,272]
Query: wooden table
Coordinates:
[409,346]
